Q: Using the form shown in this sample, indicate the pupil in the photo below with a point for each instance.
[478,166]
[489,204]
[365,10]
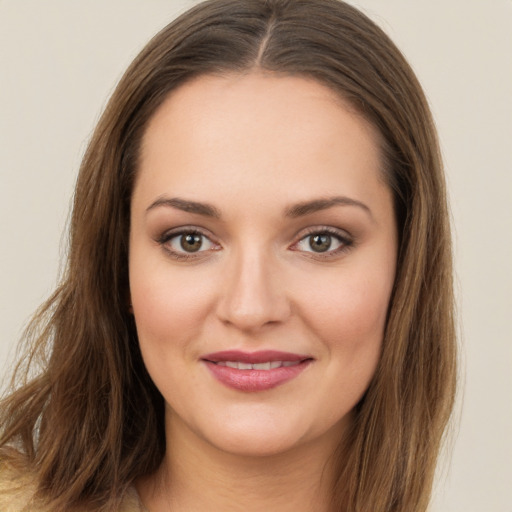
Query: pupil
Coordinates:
[320,243]
[191,242]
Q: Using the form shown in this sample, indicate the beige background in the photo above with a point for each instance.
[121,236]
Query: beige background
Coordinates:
[59,61]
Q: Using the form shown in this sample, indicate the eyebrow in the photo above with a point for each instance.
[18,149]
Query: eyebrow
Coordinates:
[294,211]
[187,206]
[316,205]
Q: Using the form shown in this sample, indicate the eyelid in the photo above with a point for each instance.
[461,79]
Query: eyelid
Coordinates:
[168,235]
[346,241]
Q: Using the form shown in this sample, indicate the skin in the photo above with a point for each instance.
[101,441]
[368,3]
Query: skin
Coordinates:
[254,147]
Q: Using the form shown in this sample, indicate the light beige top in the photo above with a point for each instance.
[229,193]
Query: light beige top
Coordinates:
[17,489]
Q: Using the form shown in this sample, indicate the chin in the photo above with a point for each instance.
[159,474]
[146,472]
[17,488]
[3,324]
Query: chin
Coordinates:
[267,437]
[261,444]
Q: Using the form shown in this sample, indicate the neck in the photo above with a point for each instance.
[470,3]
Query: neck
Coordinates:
[196,476]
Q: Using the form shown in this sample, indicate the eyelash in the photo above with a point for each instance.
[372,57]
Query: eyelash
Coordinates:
[345,240]
[168,236]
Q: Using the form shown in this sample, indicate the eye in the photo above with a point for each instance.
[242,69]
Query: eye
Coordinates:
[323,242]
[186,243]
[189,242]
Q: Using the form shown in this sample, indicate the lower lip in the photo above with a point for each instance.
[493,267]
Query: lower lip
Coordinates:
[255,380]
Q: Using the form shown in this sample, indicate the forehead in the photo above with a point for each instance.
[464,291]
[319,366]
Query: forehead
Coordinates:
[258,132]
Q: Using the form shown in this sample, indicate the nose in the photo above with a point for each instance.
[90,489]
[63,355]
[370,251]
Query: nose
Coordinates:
[253,292]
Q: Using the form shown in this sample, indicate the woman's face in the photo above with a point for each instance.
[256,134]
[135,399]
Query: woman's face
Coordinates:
[262,257]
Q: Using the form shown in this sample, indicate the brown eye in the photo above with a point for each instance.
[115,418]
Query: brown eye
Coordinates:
[320,242]
[323,242]
[187,242]
[191,242]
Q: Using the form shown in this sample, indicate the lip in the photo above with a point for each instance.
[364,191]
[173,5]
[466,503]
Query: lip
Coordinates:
[262,356]
[255,380]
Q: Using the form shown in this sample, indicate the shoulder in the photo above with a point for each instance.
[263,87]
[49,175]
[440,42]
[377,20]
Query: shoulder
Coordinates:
[131,502]
[17,489]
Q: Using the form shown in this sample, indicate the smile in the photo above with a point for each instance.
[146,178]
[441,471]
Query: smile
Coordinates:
[269,365]
[255,371]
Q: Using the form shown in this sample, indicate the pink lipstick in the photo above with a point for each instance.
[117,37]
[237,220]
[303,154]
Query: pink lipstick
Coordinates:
[255,371]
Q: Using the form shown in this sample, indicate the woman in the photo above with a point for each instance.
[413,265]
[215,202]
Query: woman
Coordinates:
[257,311]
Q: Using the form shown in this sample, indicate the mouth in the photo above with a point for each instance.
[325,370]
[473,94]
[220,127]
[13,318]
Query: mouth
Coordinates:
[255,371]
[269,365]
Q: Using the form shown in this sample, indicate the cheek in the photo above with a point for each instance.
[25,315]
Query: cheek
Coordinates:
[346,315]
[349,311]
[167,305]
[169,310]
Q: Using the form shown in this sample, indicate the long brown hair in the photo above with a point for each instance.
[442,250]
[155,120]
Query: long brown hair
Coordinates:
[84,412]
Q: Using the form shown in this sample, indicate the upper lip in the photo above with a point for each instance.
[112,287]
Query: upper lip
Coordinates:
[261,356]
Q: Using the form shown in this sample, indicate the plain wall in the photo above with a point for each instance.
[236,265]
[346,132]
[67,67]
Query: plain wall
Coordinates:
[59,62]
